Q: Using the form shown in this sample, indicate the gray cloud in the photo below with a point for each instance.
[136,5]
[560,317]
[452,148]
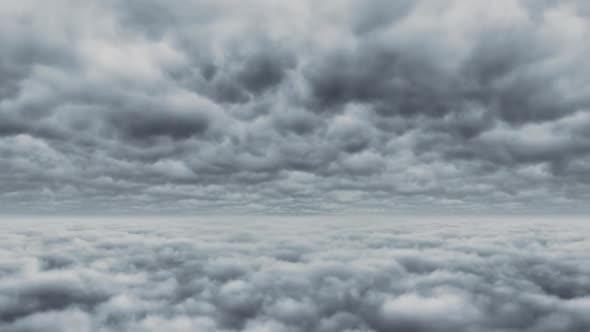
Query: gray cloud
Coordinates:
[299,107]
[313,274]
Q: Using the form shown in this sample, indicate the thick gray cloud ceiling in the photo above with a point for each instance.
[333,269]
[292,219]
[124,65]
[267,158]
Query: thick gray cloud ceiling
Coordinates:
[294,106]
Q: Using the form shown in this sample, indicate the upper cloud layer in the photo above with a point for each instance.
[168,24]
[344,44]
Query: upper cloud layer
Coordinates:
[294,106]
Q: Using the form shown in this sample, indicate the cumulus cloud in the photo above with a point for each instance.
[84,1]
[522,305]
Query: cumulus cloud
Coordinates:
[315,274]
[196,105]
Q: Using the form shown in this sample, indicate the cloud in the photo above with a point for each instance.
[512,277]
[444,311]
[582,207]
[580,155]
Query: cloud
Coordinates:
[280,274]
[425,103]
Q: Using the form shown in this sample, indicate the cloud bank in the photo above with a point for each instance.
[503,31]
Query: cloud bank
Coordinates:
[289,275]
[294,106]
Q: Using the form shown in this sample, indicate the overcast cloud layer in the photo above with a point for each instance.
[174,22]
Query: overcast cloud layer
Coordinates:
[295,275]
[294,106]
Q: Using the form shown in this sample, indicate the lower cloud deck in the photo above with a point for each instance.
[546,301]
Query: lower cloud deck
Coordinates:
[289,274]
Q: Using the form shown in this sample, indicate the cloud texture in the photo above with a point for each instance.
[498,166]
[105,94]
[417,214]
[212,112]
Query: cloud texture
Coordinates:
[289,275]
[294,106]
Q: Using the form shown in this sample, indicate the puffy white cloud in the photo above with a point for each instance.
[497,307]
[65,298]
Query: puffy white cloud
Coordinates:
[282,274]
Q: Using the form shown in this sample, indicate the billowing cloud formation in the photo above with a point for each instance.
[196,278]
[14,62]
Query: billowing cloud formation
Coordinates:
[295,275]
[294,106]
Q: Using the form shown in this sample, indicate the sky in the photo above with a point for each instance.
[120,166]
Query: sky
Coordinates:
[294,107]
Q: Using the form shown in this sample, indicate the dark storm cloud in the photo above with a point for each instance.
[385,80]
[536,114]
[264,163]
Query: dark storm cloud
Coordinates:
[294,106]
[294,275]
[143,124]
